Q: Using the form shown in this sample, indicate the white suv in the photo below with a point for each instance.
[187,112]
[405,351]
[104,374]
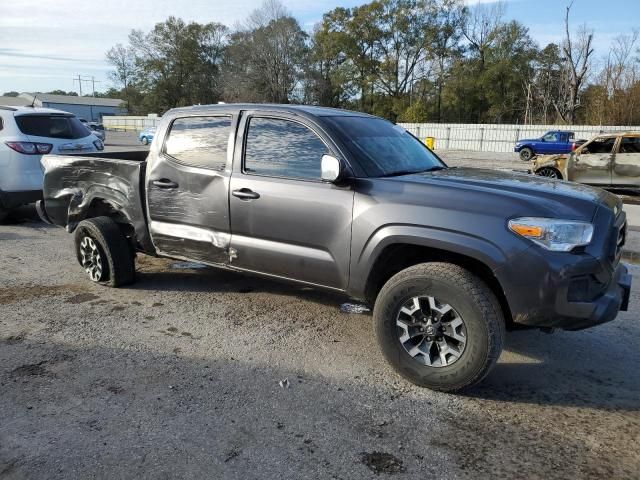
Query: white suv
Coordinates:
[27,133]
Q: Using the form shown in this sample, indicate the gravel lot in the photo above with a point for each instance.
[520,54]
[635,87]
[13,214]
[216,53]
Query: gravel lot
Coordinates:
[179,377]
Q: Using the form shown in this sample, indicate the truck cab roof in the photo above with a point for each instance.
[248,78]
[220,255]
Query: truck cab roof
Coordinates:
[296,109]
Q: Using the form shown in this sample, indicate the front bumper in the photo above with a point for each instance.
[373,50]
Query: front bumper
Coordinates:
[580,315]
[571,291]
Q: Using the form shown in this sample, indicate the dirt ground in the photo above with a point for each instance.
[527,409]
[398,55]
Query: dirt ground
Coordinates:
[198,373]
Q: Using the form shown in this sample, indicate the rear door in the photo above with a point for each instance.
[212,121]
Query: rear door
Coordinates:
[593,162]
[187,189]
[626,164]
[284,220]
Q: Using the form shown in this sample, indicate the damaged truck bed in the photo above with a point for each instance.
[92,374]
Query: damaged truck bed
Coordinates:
[447,257]
[100,184]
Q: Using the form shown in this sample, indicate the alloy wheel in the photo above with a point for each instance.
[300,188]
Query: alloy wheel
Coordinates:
[91,258]
[431,332]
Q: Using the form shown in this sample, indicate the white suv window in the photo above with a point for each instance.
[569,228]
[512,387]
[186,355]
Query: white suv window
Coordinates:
[52,126]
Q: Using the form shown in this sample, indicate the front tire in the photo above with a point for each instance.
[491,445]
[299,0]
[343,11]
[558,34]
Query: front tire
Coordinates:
[104,252]
[145,141]
[526,154]
[439,326]
[549,172]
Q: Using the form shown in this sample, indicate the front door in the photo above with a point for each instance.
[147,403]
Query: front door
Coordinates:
[187,185]
[592,163]
[284,220]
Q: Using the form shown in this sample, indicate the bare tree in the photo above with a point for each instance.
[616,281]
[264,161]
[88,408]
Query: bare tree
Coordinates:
[482,25]
[123,61]
[577,57]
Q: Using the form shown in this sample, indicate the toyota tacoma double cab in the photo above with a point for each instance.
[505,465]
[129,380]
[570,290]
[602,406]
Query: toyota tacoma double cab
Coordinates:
[449,258]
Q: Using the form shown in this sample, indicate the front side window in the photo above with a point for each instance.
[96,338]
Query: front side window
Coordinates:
[283,148]
[52,126]
[550,137]
[199,141]
[600,145]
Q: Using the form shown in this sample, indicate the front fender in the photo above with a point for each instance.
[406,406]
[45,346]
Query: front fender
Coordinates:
[477,248]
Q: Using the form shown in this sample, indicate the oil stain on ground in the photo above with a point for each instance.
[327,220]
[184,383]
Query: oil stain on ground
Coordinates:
[382,462]
[22,293]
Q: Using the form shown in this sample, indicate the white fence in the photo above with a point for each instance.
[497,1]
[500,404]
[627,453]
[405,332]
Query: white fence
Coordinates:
[448,136]
[496,138]
[130,123]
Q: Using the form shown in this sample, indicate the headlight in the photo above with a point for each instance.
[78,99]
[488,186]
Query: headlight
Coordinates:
[98,144]
[553,234]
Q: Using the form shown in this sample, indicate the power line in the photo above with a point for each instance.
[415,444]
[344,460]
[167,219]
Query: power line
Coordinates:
[86,79]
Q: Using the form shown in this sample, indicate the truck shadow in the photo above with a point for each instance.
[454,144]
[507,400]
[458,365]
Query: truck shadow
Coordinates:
[587,369]
[222,281]
[591,369]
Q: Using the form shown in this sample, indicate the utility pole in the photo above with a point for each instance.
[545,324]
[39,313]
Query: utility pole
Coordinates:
[91,80]
[79,80]
[527,113]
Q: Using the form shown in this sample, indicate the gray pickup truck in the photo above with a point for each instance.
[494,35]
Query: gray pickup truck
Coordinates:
[449,258]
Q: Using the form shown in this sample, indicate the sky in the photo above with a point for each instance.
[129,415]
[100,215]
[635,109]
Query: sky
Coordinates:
[44,44]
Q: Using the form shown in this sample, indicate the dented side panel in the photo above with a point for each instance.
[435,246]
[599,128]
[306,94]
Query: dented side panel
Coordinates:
[75,184]
[188,206]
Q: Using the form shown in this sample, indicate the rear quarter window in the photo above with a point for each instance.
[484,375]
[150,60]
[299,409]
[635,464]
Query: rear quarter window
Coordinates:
[199,141]
[52,126]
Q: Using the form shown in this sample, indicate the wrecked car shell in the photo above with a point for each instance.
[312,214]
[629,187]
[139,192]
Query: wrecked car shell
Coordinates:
[607,160]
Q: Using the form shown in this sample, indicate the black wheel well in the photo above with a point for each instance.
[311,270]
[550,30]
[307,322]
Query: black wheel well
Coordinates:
[100,207]
[397,257]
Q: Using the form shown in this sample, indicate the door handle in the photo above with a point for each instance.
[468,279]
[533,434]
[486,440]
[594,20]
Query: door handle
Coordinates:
[245,194]
[164,183]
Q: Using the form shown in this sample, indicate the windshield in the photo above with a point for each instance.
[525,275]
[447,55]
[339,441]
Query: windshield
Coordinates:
[52,126]
[381,148]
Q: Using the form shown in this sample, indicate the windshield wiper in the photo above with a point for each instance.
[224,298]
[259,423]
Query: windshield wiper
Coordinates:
[412,172]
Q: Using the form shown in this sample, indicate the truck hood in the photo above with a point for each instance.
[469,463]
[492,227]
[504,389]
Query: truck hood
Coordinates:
[512,193]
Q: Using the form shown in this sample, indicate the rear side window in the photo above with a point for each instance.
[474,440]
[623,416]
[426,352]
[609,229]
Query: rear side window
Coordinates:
[199,141]
[52,126]
[630,145]
[282,148]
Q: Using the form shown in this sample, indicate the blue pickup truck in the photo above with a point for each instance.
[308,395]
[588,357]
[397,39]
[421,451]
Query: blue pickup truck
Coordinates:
[552,142]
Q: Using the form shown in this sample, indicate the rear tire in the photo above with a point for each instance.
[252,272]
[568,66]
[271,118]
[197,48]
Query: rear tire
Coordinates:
[526,154]
[145,141]
[104,252]
[468,336]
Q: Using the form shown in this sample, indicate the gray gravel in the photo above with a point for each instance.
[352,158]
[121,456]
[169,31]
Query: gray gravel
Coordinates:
[179,376]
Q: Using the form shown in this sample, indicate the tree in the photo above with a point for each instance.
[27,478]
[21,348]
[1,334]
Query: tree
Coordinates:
[62,92]
[577,55]
[11,94]
[265,59]
[178,63]
[124,63]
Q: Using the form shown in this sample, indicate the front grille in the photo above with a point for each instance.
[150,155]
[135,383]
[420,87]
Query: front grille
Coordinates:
[618,238]
[584,288]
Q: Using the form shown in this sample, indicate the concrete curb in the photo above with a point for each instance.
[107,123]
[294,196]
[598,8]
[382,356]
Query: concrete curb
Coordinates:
[631,256]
